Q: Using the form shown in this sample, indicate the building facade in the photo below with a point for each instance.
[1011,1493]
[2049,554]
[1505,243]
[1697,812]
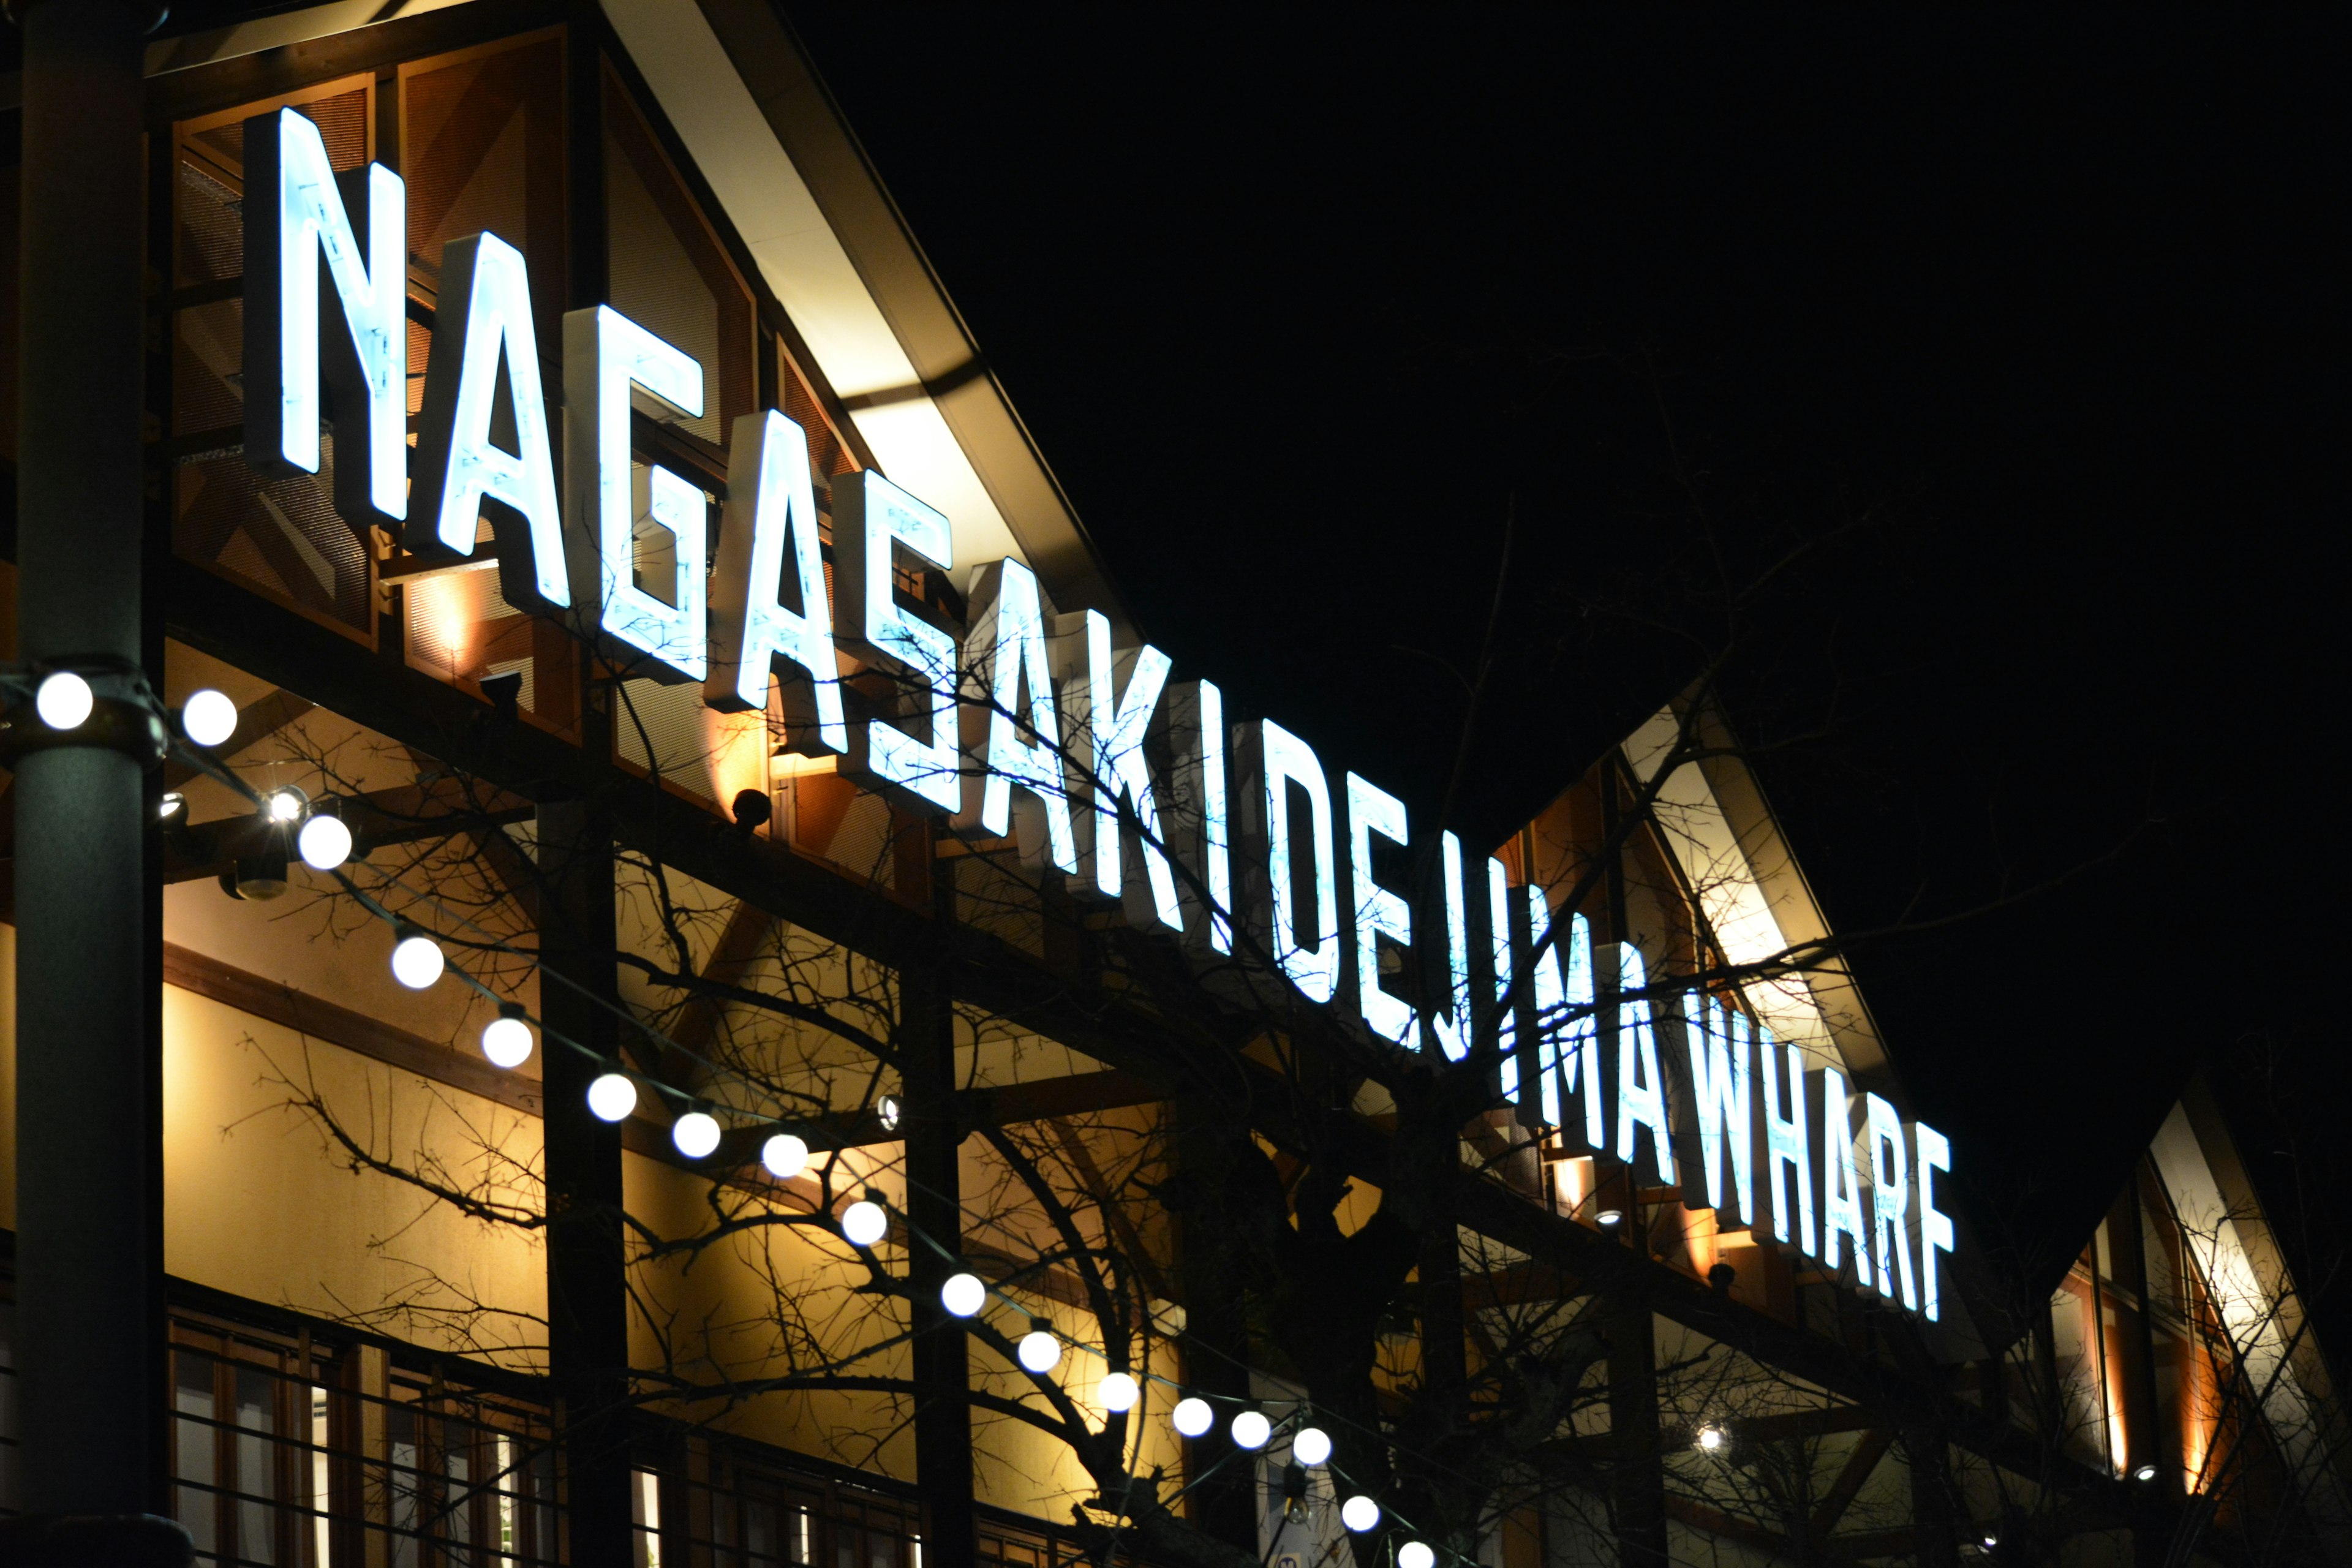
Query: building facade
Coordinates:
[635,1084]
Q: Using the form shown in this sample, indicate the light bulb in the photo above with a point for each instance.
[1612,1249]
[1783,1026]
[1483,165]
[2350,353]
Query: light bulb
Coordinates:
[285,804]
[785,1155]
[208,718]
[1191,1415]
[1360,1513]
[64,700]
[416,961]
[1118,1392]
[324,843]
[1312,1446]
[612,1097]
[963,1295]
[507,1042]
[1039,1351]
[172,805]
[2144,1473]
[886,1111]
[1251,1429]
[696,1134]
[863,1223]
[1609,1217]
[1416,1554]
[1710,1438]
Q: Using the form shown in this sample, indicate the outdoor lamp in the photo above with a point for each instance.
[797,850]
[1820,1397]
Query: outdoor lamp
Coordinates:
[863,1223]
[1192,1416]
[1710,1438]
[1311,1445]
[1251,1429]
[324,843]
[284,805]
[696,1134]
[1118,1392]
[963,1295]
[208,718]
[2144,1473]
[1609,1217]
[1360,1513]
[785,1155]
[612,1097]
[63,700]
[506,1039]
[1416,1554]
[416,960]
[1039,1351]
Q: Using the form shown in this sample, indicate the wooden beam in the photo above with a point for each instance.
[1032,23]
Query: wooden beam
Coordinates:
[739,947]
[1848,1486]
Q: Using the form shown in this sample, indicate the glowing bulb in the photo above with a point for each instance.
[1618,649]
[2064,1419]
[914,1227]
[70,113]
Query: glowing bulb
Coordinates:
[1039,1351]
[863,1222]
[1416,1554]
[1118,1392]
[507,1042]
[416,961]
[2144,1473]
[1192,1415]
[612,1097]
[64,700]
[963,1295]
[696,1134]
[1251,1429]
[324,843]
[785,1155]
[1609,1217]
[1312,1446]
[1710,1438]
[1360,1513]
[208,718]
[285,804]
[885,1111]
[171,805]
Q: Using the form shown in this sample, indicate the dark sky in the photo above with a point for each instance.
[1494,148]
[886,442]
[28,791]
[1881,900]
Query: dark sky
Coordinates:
[2057,306]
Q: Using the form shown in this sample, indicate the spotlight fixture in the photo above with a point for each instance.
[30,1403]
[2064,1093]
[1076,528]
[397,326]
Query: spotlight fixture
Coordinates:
[2144,1474]
[1610,1217]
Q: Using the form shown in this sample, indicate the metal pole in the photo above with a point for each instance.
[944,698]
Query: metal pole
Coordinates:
[90,1309]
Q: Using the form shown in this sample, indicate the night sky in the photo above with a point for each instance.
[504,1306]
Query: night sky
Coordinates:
[2034,326]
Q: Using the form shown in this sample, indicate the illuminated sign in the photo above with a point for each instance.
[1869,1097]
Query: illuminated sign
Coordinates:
[1037,727]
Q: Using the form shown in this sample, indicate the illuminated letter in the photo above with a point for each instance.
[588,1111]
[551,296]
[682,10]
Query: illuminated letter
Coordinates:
[1721,1098]
[485,316]
[1498,946]
[1567,1044]
[1011,742]
[1935,1226]
[1377,912]
[768,541]
[1204,836]
[1841,1215]
[1641,1088]
[1453,1024]
[1280,759]
[870,515]
[1788,1142]
[604,354]
[1890,1201]
[296,219]
[1107,729]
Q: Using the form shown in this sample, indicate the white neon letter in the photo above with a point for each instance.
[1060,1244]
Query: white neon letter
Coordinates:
[1205,829]
[1453,1024]
[1935,1226]
[1107,727]
[1841,1215]
[1498,948]
[1890,1201]
[1569,1045]
[604,354]
[1722,1099]
[1377,912]
[1641,1087]
[1011,742]
[296,218]
[1282,759]
[770,540]
[485,316]
[870,515]
[1787,1142]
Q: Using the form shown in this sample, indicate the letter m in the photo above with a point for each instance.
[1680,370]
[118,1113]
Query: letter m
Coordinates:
[297,226]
